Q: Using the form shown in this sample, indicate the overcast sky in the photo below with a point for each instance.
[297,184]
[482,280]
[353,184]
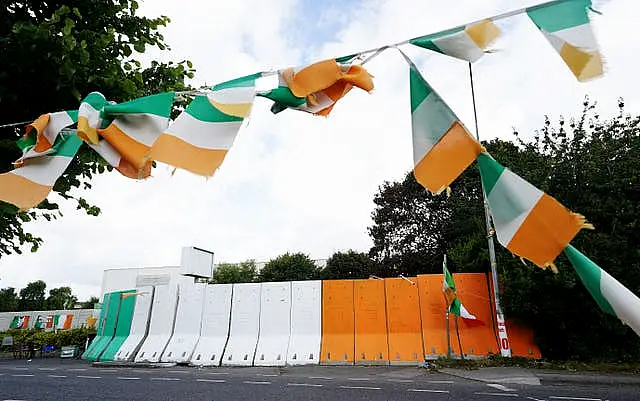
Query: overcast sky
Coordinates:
[296,182]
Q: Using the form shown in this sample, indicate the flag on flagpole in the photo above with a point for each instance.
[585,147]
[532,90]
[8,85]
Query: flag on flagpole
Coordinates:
[453,303]
[199,139]
[442,146]
[567,27]
[466,43]
[30,183]
[612,297]
[528,222]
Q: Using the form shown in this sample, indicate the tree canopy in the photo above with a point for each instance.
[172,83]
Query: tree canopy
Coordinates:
[228,273]
[33,298]
[289,267]
[592,167]
[51,55]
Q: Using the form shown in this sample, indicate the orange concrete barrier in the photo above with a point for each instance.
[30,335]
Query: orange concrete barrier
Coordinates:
[403,321]
[433,310]
[338,331]
[371,342]
[522,341]
[476,340]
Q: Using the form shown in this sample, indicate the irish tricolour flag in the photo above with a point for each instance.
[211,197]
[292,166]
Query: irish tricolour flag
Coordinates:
[528,222]
[612,297]
[450,294]
[442,146]
[41,134]
[199,139]
[566,26]
[62,322]
[30,183]
[467,43]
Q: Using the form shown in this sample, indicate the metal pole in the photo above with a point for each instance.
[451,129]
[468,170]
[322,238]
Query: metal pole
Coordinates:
[505,349]
[448,336]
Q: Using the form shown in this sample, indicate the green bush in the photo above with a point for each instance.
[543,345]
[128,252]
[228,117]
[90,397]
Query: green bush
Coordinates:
[41,338]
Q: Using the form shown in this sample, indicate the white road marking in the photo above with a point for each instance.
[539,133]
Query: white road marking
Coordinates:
[360,387]
[400,380]
[165,379]
[109,370]
[574,398]
[440,381]
[217,373]
[498,394]
[46,368]
[22,375]
[76,369]
[178,371]
[320,378]
[534,399]
[266,375]
[88,377]
[424,390]
[500,387]
[253,382]
[20,368]
[359,379]
[304,385]
[211,380]
[58,376]
[128,378]
[1,374]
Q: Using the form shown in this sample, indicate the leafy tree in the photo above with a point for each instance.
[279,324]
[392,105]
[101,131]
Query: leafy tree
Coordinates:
[227,273]
[8,300]
[89,303]
[349,265]
[51,55]
[289,267]
[61,298]
[32,297]
[591,166]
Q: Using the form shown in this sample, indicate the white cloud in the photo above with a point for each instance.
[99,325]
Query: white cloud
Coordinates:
[294,182]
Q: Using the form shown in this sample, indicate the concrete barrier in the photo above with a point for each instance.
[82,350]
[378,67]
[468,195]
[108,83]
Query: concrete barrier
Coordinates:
[338,320]
[139,325]
[245,325]
[215,325]
[123,325]
[163,313]
[403,321]
[371,345]
[306,323]
[275,324]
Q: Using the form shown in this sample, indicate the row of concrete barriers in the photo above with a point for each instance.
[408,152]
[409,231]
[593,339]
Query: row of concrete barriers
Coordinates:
[390,321]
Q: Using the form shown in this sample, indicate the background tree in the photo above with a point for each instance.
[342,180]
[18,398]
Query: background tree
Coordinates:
[88,304]
[289,267]
[349,265]
[54,53]
[227,273]
[32,297]
[61,298]
[8,300]
[591,167]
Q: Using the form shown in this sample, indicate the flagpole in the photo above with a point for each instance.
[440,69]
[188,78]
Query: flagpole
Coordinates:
[448,335]
[503,344]
[458,335]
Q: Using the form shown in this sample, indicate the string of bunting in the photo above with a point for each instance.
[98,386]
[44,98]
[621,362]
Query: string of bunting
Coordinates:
[131,135]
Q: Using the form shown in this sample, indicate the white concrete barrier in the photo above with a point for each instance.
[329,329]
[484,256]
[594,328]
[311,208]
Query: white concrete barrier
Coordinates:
[306,323]
[163,312]
[245,325]
[215,325]
[139,325]
[275,321]
[188,321]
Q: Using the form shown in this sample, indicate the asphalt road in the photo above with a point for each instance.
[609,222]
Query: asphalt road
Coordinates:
[56,379]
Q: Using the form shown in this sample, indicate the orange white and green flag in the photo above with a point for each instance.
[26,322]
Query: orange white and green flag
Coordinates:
[199,139]
[62,322]
[528,222]
[442,146]
[30,183]
[43,132]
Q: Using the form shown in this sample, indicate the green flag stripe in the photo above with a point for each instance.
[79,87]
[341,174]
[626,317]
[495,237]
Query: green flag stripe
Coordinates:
[73,114]
[248,80]
[159,105]
[427,40]
[561,15]
[490,171]
[345,59]
[591,276]
[284,96]
[95,99]
[201,109]
[455,307]
[67,145]
[420,89]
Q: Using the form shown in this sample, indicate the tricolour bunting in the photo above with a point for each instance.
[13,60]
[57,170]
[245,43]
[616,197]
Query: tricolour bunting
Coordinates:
[566,26]
[467,43]
[442,146]
[134,128]
[90,117]
[451,296]
[316,88]
[199,139]
[612,297]
[30,183]
[528,222]
[20,322]
[62,322]
[42,133]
